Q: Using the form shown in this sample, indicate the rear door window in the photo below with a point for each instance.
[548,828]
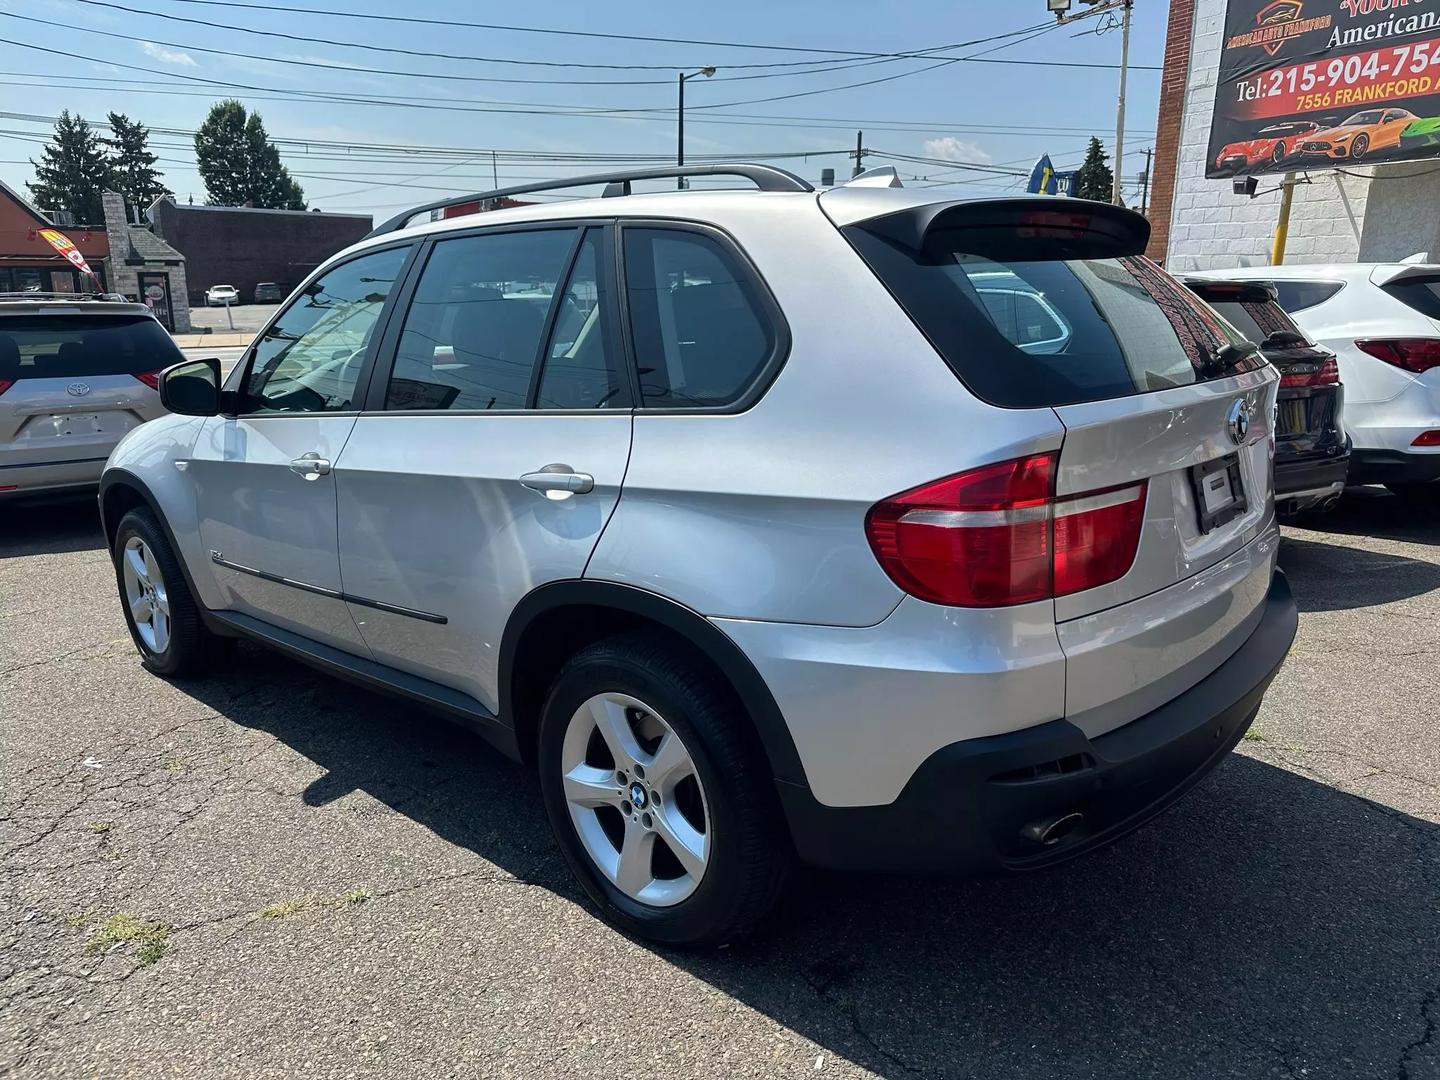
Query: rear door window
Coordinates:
[1026,333]
[702,333]
[82,345]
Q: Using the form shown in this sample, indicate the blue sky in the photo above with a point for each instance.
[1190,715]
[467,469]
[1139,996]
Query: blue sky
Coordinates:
[377,157]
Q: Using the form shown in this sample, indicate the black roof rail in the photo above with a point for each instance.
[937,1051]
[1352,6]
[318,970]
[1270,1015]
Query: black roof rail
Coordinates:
[765,177]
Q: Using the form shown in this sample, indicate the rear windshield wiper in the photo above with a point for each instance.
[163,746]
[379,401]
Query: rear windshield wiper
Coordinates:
[1284,339]
[1228,357]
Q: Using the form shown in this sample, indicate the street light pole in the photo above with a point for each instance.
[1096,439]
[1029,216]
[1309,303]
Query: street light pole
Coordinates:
[1120,108]
[707,71]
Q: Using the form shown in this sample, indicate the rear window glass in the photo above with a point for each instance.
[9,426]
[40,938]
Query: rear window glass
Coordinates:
[1299,295]
[1256,321]
[1421,294]
[1026,333]
[74,346]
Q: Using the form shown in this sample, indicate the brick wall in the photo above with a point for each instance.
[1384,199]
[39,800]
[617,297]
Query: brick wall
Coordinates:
[1167,129]
[1209,225]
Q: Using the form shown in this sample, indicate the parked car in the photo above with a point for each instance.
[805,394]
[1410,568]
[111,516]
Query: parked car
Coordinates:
[1360,135]
[221,296]
[1312,451]
[1421,135]
[270,292]
[747,560]
[1382,322]
[76,373]
[1272,146]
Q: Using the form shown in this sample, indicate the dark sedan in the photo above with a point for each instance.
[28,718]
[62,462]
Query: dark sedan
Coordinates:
[1312,451]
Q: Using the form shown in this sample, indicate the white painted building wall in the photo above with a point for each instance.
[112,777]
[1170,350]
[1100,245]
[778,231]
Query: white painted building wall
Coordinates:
[1213,228]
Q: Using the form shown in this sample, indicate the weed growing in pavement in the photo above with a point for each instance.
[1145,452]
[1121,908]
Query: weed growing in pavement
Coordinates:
[99,826]
[355,897]
[284,907]
[122,928]
[174,766]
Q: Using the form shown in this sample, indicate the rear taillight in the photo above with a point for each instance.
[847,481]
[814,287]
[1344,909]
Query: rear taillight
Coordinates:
[1327,374]
[1426,438]
[5,384]
[149,378]
[997,535]
[1416,355]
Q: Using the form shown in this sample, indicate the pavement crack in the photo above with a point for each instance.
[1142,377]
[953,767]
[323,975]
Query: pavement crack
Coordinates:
[825,978]
[1427,1034]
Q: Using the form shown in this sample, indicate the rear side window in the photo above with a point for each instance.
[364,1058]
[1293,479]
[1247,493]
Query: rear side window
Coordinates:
[66,347]
[1419,293]
[1299,295]
[701,332]
[1027,333]
[472,334]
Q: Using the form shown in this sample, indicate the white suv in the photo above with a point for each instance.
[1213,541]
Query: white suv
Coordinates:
[1382,321]
[882,532]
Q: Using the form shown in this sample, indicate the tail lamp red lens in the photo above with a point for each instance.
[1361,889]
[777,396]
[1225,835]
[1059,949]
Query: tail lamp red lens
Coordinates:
[149,378]
[5,384]
[1427,438]
[997,535]
[1416,355]
[1327,374]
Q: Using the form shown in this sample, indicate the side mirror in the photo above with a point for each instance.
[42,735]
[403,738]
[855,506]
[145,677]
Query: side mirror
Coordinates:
[192,388]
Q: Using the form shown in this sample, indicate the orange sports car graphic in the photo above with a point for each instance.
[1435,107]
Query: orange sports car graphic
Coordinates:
[1356,137]
[1271,146]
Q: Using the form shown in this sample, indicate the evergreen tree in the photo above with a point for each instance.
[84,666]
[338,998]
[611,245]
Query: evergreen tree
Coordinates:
[72,171]
[132,165]
[240,164]
[1094,180]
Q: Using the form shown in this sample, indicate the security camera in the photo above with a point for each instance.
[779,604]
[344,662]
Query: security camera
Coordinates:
[1245,185]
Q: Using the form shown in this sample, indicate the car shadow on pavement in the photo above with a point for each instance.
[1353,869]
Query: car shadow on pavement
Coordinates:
[50,526]
[1373,511]
[1327,577]
[1269,924]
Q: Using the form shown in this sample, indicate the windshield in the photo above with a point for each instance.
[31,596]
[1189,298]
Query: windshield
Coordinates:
[1025,333]
[1362,118]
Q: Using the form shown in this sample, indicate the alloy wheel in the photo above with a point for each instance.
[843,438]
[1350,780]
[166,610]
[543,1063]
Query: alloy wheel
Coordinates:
[635,799]
[145,594]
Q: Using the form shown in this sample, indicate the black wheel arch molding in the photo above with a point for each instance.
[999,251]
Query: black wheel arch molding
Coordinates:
[698,631]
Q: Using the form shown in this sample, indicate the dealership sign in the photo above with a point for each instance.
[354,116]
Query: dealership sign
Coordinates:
[1309,84]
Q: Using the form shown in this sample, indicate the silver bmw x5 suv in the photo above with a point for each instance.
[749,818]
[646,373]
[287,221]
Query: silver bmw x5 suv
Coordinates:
[851,528]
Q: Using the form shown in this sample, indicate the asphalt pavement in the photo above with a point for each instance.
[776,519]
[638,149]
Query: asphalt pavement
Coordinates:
[268,872]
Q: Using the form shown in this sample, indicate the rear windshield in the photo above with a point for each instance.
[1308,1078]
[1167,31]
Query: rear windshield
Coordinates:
[1028,334]
[1256,321]
[72,346]
[1420,293]
[1299,295]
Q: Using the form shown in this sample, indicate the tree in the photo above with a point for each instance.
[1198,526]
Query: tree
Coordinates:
[72,171]
[132,165]
[1094,180]
[240,164]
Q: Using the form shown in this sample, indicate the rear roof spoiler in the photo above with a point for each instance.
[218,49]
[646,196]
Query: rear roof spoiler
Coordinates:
[1052,227]
[1213,290]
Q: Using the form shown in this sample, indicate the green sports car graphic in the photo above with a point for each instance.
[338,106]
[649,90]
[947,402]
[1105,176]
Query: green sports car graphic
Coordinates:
[1421,134]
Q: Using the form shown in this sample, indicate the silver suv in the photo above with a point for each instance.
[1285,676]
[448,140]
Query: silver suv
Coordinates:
[849,527]
[76,373]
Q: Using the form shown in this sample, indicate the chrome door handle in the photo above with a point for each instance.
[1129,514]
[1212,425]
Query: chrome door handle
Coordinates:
[311,466]
[558,481]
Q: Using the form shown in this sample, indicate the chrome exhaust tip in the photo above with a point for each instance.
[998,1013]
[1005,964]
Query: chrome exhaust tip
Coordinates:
[1047,832]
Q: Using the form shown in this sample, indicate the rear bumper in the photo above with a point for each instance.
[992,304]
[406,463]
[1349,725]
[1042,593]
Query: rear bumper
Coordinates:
[1369,466]
[1307,481]
[33,478]
[964,808]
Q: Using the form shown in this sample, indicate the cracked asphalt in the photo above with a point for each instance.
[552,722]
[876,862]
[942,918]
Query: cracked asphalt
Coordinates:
[1283,920]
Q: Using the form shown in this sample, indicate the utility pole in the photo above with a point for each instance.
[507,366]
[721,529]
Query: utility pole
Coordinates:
[1145,184]
[1120,107]
[859,153]
[1282,226]
[1099,7]
[707,71]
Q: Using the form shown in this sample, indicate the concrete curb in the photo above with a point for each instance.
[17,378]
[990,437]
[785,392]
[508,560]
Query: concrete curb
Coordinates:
[219,341]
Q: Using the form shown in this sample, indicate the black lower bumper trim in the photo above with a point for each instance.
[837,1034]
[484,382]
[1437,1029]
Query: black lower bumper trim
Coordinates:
[964,809]
[1308,474]
[1392,467]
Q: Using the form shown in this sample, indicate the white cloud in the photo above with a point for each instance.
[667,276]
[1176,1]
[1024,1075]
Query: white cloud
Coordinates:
[953,149]
[158,52]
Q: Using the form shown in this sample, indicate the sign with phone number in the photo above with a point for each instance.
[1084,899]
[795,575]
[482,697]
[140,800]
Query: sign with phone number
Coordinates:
[1317,83]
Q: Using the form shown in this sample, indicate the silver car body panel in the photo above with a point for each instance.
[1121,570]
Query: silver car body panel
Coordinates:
[433,519]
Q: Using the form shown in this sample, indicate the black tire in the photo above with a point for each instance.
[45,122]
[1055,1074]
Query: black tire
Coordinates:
[1278,154]
[191,647]
[750,859]
[1359,147]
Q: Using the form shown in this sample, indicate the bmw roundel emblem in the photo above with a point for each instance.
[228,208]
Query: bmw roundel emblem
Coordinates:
[78,389]
[1238,422]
